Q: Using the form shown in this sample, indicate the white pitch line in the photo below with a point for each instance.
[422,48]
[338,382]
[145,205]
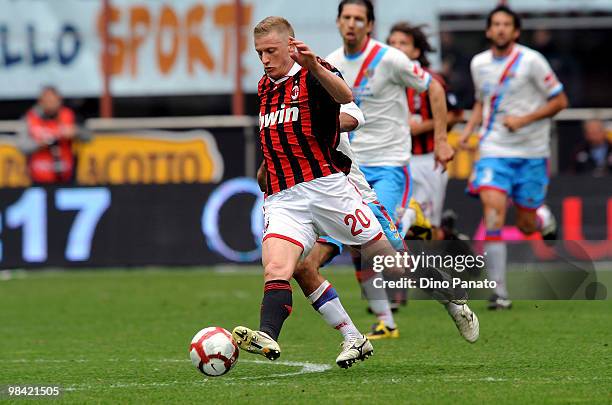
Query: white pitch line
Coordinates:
[305,368]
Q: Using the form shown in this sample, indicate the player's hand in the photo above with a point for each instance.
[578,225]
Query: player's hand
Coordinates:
[443,153]
[514,123]
[302,54]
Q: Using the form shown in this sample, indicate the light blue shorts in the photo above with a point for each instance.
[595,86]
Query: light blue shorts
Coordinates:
[392,185]
[525,181]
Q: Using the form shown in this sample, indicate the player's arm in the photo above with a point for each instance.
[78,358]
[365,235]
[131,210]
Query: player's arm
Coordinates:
[545,81]
[408,74]
[443,152]
[421,127]
[470,126]
[477,109]
[351,117]
[550,109]
[334,85]
[454,115]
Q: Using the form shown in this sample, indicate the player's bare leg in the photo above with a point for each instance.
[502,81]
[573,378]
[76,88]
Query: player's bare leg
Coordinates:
[538,220]
[494,204]
[526,221]
[325,300]
[307,272]
[279,259]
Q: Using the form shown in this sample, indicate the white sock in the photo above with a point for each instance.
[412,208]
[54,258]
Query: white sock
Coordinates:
[378,301]
[406,221]
[325,300]
[496,265]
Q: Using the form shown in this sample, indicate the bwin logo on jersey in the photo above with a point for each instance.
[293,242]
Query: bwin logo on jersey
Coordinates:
[278,117]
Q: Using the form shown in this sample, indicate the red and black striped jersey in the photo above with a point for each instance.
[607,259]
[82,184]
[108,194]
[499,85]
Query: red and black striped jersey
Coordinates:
[299,130]
[419,106]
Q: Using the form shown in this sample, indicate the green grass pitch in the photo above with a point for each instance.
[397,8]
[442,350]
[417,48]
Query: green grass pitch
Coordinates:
[123,337]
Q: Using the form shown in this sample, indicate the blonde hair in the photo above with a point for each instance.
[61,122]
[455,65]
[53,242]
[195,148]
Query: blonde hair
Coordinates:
[273,23]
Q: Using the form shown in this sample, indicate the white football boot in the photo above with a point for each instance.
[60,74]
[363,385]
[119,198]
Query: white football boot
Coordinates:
[465,320]
[353,350]
[254,341]
[549,225]
[497,302]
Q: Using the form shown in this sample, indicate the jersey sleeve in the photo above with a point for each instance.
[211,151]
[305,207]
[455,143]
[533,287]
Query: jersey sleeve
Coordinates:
[409,74]
[316,87]
[332,59]
[543,76]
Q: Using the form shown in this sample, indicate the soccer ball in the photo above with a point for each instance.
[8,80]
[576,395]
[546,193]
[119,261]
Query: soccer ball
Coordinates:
[213,351]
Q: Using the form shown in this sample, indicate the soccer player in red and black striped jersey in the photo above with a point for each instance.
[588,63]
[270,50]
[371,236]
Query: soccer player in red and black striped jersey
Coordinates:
[308,193]
[429,181]
[299,128]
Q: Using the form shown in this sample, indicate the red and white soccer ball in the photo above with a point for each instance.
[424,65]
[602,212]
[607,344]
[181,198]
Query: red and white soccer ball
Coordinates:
[213,351]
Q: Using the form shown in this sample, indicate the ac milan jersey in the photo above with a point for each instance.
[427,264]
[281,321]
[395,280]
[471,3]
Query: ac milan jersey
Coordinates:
[516,85]
[420,109]
[298,129]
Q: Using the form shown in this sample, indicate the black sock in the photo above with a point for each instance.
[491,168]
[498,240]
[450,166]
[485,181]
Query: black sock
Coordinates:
[275,307]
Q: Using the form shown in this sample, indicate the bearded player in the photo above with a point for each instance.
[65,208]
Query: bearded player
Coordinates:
[379,76]
[517,94]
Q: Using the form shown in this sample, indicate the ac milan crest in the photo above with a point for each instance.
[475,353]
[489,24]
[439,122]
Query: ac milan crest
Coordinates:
[295,92]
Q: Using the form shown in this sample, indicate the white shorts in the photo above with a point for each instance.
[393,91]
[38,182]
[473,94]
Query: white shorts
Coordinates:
[326,206]
[429,186]
[356,176]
